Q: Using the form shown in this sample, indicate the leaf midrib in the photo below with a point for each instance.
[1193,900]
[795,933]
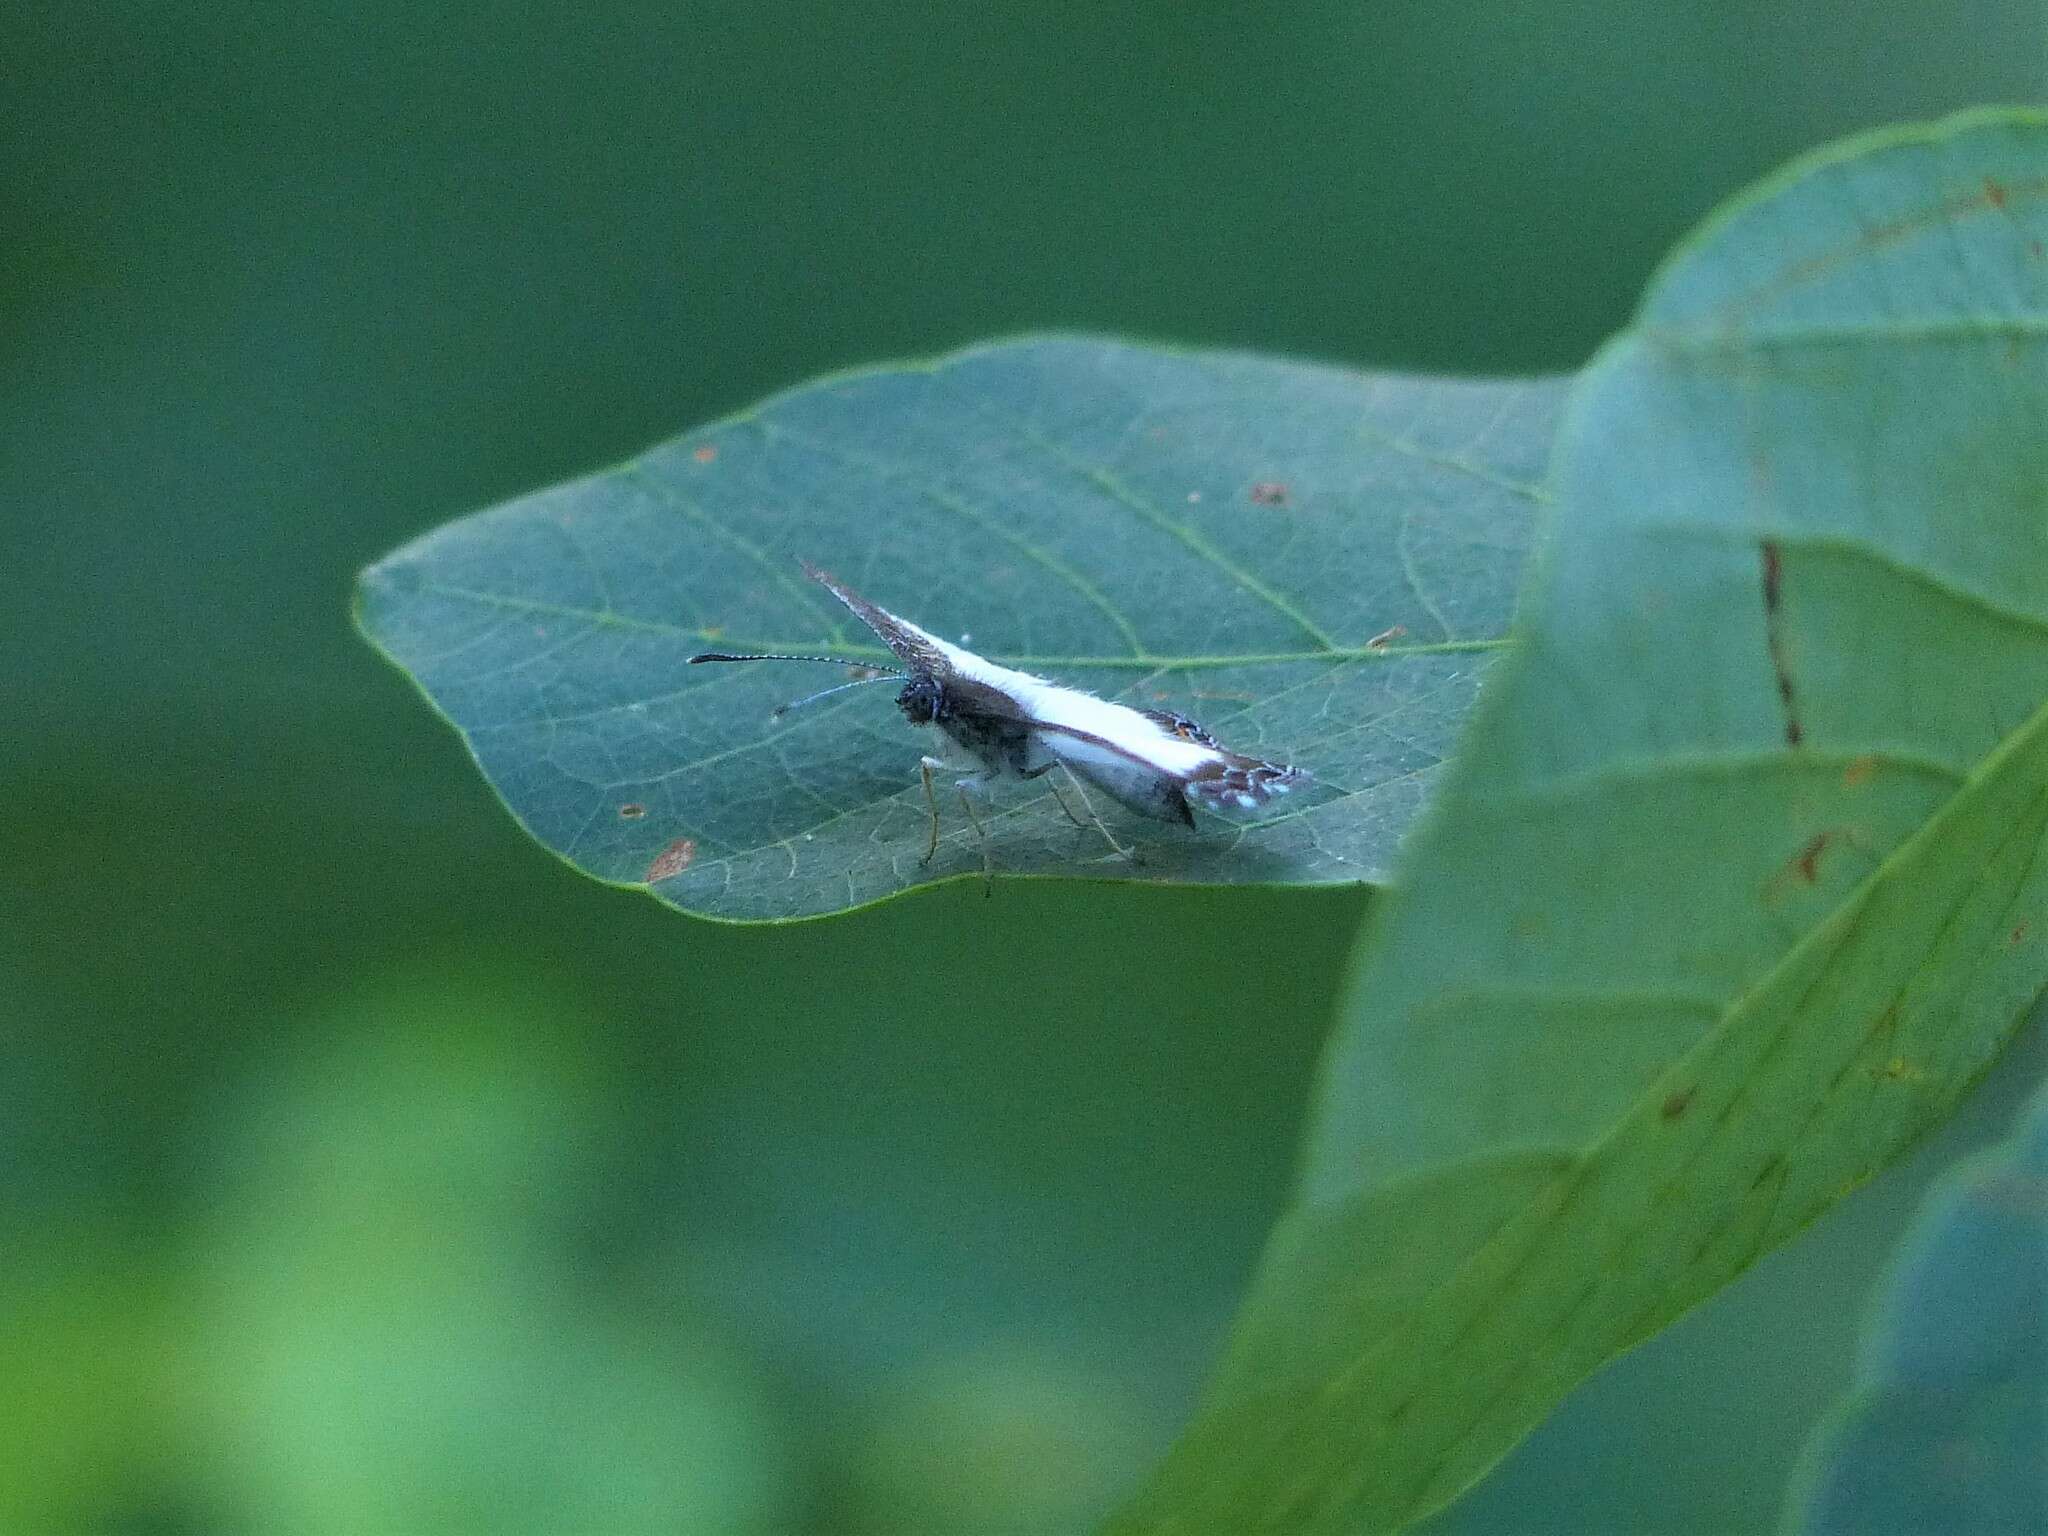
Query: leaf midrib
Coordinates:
[608,619]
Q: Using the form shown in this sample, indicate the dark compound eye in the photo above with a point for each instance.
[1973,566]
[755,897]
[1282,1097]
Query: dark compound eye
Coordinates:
[922,700]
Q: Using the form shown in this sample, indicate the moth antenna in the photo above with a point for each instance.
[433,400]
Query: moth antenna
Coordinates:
[837,661]
[824,693]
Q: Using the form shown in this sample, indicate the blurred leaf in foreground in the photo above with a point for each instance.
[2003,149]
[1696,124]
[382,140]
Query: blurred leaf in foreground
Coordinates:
[1947,1428]
[1737,883]
[1316,564]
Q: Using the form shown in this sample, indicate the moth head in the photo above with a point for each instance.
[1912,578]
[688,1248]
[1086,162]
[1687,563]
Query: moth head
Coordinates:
[923,700]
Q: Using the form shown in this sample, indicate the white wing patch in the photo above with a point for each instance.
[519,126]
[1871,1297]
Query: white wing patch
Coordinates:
[1133,733]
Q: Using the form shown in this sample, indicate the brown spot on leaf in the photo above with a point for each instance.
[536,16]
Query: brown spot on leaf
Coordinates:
[1270,493]
[1808,860]
[672,860]
[1380,641]
[1677,1103]
[1994,194]
[1804,867]
[632,810]
[1859,771]
[1773,562]
[704,453]
[2019,933]
[1774,574]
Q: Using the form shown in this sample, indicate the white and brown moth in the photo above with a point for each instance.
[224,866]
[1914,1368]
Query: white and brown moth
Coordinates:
[999,724]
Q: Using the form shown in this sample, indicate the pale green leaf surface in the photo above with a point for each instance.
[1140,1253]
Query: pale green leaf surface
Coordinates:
[1217,534]
[1947,1427]
[1737,883]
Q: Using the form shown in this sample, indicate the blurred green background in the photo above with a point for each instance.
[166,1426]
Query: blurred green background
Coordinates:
[362,1168]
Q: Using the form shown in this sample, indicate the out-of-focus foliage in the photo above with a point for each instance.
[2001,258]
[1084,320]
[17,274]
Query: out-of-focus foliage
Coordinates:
[280,290]
[1947,1428]
[401,1314]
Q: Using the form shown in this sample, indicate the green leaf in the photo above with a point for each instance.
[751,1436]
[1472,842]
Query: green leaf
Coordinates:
[1737,883]
[1316,564]
[1947,1428]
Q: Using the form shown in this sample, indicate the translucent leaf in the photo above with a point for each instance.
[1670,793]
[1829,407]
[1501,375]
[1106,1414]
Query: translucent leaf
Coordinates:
[1737,883]
[1315,564]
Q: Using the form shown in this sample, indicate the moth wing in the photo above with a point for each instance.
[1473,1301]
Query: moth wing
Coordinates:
[1237,783]
[1125,776]
[913,647]
[1180,725]
[1163,784]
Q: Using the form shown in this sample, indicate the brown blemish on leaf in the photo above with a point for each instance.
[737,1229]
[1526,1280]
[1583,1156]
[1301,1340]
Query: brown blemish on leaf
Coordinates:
[1808,862]
[2018,935]
[672,860]
[1270,493]
[1677,1103]
[1803,868]
[632,810]
[1994,194]
[704,453]
[1859,771]
[1773,563]
[1385,637]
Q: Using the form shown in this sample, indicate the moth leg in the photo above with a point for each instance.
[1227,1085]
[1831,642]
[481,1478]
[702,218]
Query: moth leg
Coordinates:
[1077,821]
[1086,805]
[924,767]
[1039,772]
[988,871]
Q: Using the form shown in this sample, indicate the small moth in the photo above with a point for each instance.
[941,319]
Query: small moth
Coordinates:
[999,724]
